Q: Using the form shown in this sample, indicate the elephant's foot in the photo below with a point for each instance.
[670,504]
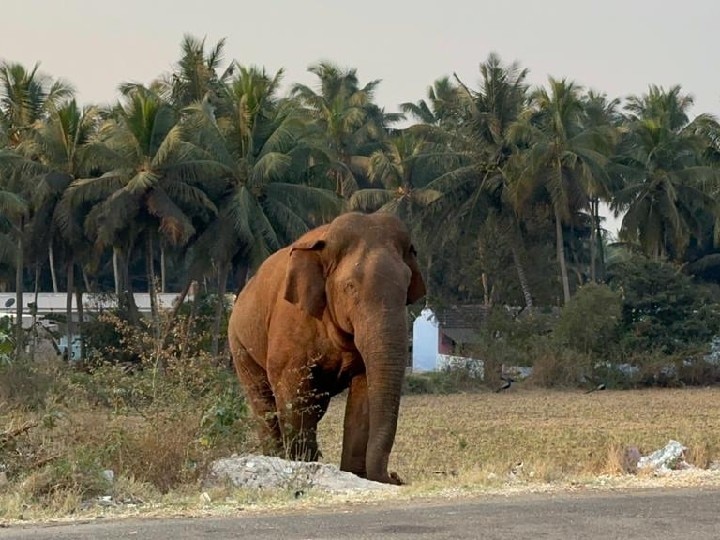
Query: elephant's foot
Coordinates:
[395,479]
[390,478]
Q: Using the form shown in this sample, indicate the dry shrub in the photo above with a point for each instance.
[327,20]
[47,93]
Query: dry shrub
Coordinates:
[555,367]
[153,426]
[620,459]
[25,385]
[163,451]
[701,454]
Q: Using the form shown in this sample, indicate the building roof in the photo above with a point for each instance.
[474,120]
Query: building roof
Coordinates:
[462,323]
[469,316]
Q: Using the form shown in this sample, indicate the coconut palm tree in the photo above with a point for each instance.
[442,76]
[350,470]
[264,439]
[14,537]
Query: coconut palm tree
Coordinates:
[197,74]
[26,96]
[253,140]
[563,158]
[152,185]
[669,187]
[401,170]
[477,157]
[351,125]
[54,155]
[13,211]
[441,109]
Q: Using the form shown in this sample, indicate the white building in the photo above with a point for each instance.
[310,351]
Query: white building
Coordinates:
[426,342]
[56,303]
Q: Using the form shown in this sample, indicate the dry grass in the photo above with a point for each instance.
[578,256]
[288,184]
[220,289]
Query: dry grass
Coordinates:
[558,436]
[445,444]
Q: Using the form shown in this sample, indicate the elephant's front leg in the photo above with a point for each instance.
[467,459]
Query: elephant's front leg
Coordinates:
[356,428]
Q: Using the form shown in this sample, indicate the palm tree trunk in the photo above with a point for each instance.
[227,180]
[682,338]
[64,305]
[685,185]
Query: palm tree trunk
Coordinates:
[486,291]
[223,270]
[172,317]
[81,317]
[51,260]
[152,290]
[126,299]
[195,286]
[162,269]
[68,308]
[33,312]
[599,243]
[181,299]
[561,257]
[116,270]
[522,278]
[86,281]
[242,276]
[593,239]
[20,257]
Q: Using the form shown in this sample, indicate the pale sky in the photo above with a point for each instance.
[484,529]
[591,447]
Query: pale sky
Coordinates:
[614,46]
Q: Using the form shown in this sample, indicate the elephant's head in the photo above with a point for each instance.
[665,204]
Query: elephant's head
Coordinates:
[357,261]
[358,273]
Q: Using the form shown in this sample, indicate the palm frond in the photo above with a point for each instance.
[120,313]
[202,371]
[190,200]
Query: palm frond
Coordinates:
[12,205]
[174,224]
[370,200]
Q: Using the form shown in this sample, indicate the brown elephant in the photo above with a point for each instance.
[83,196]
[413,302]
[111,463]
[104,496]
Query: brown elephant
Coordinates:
[326,314]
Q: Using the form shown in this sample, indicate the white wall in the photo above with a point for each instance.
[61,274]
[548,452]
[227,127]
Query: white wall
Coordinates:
[425,342]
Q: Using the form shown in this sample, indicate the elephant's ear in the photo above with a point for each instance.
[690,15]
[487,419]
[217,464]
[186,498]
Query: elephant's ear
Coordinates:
[416,289]
[305,278]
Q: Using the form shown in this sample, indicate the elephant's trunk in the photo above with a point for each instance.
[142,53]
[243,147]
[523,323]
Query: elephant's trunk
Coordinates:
[383,346]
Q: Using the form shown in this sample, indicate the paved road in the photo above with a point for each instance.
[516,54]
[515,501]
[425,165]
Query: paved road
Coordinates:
[667,514]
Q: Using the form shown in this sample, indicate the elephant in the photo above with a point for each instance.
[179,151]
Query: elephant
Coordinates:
[326,314]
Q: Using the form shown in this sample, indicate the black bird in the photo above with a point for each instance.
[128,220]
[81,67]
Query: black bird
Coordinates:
[9,302]
[599,387]
[506,384]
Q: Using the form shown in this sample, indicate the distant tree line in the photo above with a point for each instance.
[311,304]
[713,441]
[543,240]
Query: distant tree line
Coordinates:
[206,171]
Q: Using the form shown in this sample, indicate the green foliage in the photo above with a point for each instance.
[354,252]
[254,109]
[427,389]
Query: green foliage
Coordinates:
[511,339]
[663,309]
[449,380]
[7,343]
[589,322]
[226,418]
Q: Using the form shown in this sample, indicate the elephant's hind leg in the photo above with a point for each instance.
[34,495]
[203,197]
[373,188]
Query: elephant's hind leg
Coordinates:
[262,401]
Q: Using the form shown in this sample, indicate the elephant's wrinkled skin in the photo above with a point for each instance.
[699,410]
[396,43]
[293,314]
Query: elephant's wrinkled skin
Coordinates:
[326,314]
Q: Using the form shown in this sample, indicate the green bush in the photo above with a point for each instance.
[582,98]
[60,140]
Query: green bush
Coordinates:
[663,309]
[589,322]
[7,343]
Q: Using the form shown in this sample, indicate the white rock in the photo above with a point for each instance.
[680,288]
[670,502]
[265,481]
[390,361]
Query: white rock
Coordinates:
[273,472]
[669,458]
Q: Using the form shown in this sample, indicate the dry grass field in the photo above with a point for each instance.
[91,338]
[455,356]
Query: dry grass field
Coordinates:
[558,436]
[461,443]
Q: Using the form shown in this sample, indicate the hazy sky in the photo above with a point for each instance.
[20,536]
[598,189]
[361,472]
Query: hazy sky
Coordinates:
[614,46]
